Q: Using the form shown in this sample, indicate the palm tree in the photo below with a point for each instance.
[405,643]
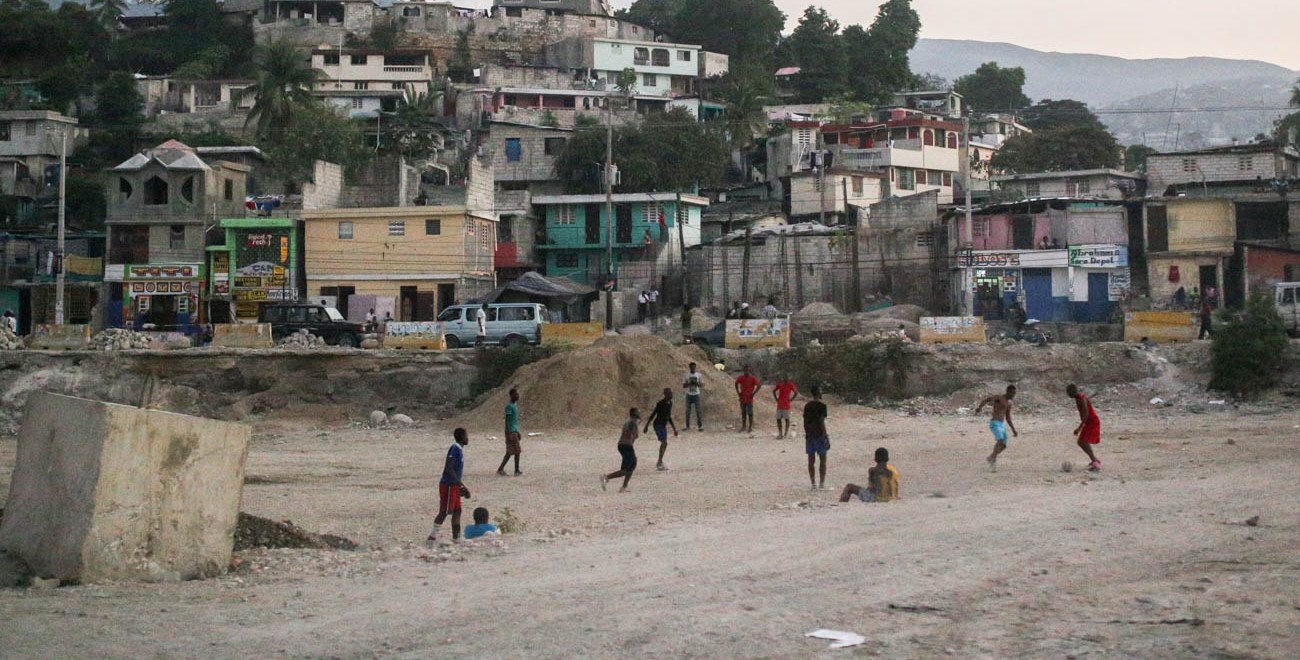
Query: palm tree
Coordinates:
[282,83]
[745,116]
[108,11]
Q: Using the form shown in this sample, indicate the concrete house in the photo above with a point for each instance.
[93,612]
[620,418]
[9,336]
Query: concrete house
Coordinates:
[1092,184]
[523,162]
[904,251]
[833,195]
[29,156]
[662,69]
[561,7]
[161,203]
[1234,168]
[366,81]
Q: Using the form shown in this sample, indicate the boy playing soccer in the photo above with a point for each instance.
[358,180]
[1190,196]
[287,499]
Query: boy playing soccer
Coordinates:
[1089,428]
[662,418]
[999,422]
[451,488]
[694,386]
[513,447]
[882,482]
[481,525]
[626,451]
[747,385]
[816,441]
[784,393]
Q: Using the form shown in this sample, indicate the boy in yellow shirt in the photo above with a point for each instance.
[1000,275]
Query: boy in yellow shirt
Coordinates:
[882,482]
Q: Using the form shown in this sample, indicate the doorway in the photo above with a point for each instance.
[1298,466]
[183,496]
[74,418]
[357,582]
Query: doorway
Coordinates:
[624,231]
[446,296]
[592,220]
[1038,293]
[406,302]
[1098,310]
[1209,283]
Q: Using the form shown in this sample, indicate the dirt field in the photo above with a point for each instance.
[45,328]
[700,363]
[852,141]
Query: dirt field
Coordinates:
[731,554]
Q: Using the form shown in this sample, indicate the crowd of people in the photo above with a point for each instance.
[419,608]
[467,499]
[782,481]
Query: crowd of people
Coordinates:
[882,484]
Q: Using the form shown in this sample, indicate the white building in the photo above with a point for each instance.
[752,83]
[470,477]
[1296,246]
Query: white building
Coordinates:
[366,81]
[1094,184]
[662,69]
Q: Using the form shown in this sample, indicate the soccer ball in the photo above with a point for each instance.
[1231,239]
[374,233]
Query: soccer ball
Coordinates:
[1067,467]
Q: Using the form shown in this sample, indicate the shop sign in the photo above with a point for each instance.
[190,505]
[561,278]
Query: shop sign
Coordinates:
[259,240]
[161,288]
[991,260]
[250,295]
[1099,256]
[163,272]
[1119,285]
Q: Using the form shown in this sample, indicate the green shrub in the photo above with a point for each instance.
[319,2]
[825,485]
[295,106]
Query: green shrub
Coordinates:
[497,365]
[1247,355]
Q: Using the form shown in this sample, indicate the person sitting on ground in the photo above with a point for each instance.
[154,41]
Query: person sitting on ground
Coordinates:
[882,482]
[481,525]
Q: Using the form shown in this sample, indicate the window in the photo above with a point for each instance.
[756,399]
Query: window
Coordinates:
[358,103]
[651,212]
[554,145]
[398,86]
[1245,163]
[804,136]
[514,150]
[566,260]
[396,228]
[29,127]
[358,60]
[410,11]
[155,192]
[947,179]
[432,227]
[650,80]
[1288,295]
[1078,187]
[921,177]
[980,228]
[1189,165]
[451,314]
[514,313]
[514,12]
[187,189]
[683,55]
[641,56]
[331,59]
[506,229]
[345,231]
[565,215]
[660,57]
[124,187]
[857,185]
[906,179]
[228,189]
[1032,189]
[5,130]
[176,237]
[360,84]
[925,239]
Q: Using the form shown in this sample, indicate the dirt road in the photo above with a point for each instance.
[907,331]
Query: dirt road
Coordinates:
[730,553]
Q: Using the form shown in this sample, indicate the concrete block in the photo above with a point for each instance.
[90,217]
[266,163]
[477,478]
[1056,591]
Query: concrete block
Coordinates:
[242,335]
[102,491]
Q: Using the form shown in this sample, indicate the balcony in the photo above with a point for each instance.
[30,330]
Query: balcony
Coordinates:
[399,68]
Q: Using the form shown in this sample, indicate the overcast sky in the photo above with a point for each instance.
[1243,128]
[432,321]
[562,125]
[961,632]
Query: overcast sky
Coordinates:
[1245,29]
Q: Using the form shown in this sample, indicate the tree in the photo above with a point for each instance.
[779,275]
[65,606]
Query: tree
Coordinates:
[1244,356]
[746,30]
[413,129]
[815,47]
[1287,129]
[108,12]
[317,133]
[993,88]
[928,82]
[1048,114]
[667,152]
[1135,157]
[877,58]
[658,15]
[62,84]
[86,204]
[1059,150]
[460,68]
[282,83]
[118,104]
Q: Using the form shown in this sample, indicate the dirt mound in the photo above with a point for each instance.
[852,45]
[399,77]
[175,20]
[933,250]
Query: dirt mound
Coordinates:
[909,313]
[819,309]
[254,532]
[593,388]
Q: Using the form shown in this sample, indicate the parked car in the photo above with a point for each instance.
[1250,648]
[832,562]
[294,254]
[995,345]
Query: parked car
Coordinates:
[324,322]
[1286,299]
[508,324]
[715,336]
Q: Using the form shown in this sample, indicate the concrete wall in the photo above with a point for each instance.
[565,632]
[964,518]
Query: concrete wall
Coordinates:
[892,259]
[1199,168]
[534,163]
[824,272]
[108,492]
[1099,186]
[325,190]
[1267,266]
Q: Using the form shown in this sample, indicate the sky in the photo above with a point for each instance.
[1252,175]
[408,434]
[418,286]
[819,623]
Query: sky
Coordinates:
[1246,29]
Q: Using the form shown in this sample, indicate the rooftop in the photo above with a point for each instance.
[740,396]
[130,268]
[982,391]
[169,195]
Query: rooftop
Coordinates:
[1068,174]
[620,197]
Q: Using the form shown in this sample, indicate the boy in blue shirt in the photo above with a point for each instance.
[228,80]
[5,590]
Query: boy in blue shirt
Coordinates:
[481,525]
[451,488]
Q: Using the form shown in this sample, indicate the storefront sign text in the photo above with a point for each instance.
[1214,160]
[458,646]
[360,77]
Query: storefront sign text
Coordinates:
[1099,256]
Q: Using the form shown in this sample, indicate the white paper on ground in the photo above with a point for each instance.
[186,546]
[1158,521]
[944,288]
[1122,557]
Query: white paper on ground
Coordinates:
[839,638]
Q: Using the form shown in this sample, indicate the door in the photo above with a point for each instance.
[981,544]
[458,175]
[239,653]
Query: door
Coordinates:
[406,303]
[1038,293]
[1209,283]
[592,220]
[446,296]
[424,306]
[624,230]
[1022,232]
[1098,306]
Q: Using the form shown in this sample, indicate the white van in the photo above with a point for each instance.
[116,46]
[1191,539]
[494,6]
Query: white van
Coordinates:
[508,324]
[1286,299]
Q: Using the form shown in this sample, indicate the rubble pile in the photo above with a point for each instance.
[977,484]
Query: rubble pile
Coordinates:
[255,532]
[119,339]
[9,341]
[302,339]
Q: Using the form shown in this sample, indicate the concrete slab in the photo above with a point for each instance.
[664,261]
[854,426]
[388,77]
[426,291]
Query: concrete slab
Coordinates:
[102,491]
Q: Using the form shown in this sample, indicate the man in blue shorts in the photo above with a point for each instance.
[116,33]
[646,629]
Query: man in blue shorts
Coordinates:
[816,441]
[999,422]
[662,418]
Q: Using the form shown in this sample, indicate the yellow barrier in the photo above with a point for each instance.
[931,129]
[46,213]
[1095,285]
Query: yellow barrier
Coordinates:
[60,337]
[952,330]
[758,333]
[1160,326]
[576,334]
[242,335]
[421,335]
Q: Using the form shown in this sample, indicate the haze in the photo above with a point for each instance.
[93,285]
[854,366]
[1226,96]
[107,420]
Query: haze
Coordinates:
[1248,29]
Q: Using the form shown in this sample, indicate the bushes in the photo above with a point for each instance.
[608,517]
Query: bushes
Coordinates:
[1247,356]
[856,370]
[497,365]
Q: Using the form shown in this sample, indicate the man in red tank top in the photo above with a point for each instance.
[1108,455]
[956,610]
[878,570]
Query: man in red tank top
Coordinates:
[1089,429]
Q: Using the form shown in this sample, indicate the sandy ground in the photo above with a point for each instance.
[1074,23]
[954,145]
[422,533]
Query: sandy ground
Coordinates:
[731,554]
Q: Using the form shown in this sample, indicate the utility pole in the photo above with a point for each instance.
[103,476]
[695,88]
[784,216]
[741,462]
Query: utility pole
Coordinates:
[821,191]
[855,223]
[968,233]
[609,213]
[681,242]
[63,204]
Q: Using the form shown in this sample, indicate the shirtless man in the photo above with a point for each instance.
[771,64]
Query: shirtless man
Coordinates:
[999,422]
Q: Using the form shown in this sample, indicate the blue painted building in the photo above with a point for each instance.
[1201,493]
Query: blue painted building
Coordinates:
[648,228]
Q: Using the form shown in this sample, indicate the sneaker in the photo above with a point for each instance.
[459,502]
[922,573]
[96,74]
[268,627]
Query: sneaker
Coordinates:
[518,473]
[1095,466]
[501,473]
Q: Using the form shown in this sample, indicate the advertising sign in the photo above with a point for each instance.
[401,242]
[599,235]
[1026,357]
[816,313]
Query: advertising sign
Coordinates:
[1099,256]
[758,333]
[952,330]
[414,334]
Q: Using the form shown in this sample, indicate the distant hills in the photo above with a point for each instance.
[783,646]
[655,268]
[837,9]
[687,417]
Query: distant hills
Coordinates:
[1114,83]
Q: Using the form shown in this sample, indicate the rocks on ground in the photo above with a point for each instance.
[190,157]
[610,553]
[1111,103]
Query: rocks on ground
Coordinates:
[302,339]
[256,532]
[119,339]
[9,341]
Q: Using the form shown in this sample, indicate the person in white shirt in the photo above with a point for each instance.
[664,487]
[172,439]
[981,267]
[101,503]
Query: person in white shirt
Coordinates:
[11,321]
[694,386]
[482,326]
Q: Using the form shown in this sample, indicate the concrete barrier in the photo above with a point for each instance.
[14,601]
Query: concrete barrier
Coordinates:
[60,337]
[103,492]
[242,335]
[953,330]
[758,333]
[419,335]
[1160,326]
[573,334]
[161,341]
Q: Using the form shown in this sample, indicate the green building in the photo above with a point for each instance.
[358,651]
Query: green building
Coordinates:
[260,262]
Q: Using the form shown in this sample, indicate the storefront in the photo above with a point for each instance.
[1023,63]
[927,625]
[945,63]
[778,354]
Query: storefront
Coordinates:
[259,264]
[1081,283]
[162,297]
[1099,280]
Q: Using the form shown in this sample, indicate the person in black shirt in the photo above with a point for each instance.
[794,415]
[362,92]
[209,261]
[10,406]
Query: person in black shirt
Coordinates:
[816,442]
[662,418]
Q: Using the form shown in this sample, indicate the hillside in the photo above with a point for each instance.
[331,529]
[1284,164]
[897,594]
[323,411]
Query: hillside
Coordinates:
[1182,129]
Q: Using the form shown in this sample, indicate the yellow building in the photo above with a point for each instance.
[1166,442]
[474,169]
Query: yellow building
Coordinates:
[408,261]
[1189,244]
